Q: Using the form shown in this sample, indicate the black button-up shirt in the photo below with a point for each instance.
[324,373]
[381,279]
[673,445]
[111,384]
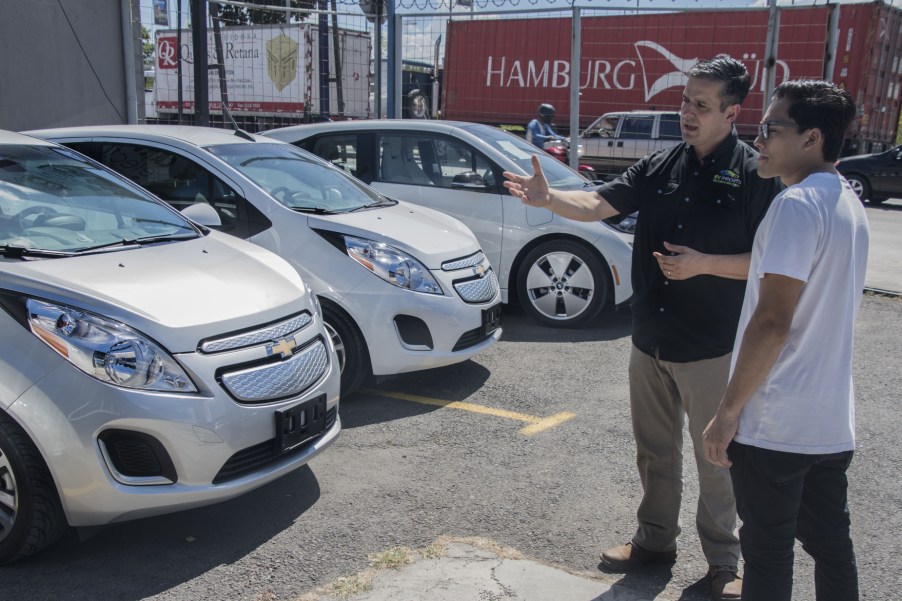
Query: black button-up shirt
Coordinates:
[713,205]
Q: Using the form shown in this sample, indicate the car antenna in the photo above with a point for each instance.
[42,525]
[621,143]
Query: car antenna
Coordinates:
[238,131]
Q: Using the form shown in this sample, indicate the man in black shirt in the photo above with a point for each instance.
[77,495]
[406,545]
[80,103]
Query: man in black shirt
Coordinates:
[699,205]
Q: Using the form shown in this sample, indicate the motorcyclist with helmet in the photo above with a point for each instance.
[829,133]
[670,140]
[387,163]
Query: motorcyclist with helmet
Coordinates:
[540,129]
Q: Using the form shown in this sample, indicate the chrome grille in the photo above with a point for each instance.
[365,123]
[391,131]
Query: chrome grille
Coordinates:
[471,261]
[267,334]
[278,380]
[480,290]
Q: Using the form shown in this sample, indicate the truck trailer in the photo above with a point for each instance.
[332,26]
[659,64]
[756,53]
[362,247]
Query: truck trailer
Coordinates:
[638,62]
[271,71]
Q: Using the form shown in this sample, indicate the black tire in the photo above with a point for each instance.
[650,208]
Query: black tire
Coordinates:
[353,355]
[31,516]
[860,186]
[562,284]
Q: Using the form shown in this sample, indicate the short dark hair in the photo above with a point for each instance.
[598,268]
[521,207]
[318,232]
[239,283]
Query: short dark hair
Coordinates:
[821,104]
[730,72]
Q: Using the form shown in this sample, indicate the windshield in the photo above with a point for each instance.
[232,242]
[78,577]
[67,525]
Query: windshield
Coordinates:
[520,152]
[53,199]
[297,179]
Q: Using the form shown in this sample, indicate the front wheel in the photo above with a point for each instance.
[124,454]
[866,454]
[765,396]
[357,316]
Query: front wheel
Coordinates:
[353,357]
[31,516]
[562,284]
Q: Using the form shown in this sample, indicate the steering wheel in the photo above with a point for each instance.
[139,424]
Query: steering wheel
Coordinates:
[287,194]
[24,214]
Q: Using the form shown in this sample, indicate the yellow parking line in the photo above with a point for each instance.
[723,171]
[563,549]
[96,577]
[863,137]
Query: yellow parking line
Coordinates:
[536,424]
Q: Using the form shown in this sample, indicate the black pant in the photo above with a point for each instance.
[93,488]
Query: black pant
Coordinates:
[784,496]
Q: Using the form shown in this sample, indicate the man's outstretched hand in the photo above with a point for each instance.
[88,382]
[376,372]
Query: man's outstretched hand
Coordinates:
[531,190]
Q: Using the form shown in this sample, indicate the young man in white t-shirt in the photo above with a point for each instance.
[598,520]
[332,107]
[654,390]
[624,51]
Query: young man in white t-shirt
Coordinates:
[786,425]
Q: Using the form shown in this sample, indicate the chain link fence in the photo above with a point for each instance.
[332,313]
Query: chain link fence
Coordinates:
[311,60]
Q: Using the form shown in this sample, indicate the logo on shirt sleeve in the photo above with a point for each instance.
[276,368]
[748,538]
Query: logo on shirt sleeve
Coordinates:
[728,177]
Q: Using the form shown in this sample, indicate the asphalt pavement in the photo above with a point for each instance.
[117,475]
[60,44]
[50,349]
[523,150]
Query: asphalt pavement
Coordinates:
[467,569]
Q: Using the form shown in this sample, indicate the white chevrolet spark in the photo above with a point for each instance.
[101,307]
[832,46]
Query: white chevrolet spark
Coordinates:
[402,287]
[148,364]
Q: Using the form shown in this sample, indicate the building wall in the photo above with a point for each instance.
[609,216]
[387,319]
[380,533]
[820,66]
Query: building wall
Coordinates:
[63,63]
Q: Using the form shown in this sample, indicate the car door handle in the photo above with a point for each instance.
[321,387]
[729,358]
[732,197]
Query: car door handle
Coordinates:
[619,144]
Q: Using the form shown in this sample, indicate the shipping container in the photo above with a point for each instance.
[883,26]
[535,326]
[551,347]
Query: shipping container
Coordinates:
[638,62]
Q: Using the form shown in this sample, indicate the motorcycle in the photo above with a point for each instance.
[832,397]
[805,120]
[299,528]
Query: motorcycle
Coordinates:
[560,149]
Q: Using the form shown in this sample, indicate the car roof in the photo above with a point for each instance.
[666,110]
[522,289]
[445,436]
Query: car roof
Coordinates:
[415,125]
[11,137]
[190,134]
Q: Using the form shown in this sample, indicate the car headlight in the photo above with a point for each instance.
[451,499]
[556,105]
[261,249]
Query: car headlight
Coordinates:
[392,265]
[314,300]
[108,350]
[625,224]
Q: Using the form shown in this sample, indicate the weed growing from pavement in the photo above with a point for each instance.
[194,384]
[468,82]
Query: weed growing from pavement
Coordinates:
[342,588]
[393,558]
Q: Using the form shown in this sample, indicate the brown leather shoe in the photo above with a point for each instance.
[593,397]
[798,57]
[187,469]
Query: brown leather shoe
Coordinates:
[725,583]
[631,555]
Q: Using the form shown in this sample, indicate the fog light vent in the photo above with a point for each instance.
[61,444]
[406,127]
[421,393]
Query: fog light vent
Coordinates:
[137,458]
[414,333]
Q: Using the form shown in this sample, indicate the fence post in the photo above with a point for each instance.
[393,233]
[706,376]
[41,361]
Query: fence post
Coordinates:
[391,60]
[770,52]
[201,74]
[575,57]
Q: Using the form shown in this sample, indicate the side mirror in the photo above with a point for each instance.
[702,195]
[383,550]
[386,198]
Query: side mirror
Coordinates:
[468,180]
[203,214]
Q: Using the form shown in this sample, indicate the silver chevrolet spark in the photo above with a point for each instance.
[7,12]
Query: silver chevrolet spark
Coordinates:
[148,365]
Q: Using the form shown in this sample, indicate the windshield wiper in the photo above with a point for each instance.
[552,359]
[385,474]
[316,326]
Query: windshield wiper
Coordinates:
[255,159]
[316,210]
[21,252]
[136,242]
[386,203]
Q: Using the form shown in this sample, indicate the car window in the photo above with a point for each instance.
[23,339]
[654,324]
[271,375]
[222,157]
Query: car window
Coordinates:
[56,200]
[520,152]
[637,127]
[176,179]
[669,128]
[403,161]
[447,158]
[605,127]
[341,151]
[296,178]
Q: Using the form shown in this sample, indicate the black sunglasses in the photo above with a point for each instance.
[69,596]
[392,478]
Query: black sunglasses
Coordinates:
[764,128]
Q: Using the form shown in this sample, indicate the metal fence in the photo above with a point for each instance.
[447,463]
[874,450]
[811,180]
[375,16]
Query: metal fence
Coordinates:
[313,60]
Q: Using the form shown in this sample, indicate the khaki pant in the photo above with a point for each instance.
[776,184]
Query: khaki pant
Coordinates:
[660,393]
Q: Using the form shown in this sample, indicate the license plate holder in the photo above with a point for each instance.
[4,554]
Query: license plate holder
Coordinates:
[491,319]
[296,425]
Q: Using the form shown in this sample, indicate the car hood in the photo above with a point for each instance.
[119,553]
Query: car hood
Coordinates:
[176,293]
[431,237]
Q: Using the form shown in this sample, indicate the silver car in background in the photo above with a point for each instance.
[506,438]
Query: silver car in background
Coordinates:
[563,272]
[148,365]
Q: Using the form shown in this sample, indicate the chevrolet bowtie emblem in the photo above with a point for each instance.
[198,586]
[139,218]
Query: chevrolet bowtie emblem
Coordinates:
[479,270]
[283,347]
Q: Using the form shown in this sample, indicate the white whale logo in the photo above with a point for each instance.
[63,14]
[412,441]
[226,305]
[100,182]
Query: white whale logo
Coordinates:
[676,78]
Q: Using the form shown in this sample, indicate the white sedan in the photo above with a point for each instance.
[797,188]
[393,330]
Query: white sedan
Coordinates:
[563,272]
[402,287]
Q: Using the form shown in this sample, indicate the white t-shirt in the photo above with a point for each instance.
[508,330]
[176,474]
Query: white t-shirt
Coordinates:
[817,232]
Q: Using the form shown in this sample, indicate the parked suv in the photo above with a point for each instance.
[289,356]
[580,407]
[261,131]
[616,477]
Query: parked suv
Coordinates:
[617,140]
[148,364]
[403,287]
